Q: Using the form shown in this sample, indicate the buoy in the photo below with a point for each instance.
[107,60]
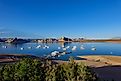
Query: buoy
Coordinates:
[22,48]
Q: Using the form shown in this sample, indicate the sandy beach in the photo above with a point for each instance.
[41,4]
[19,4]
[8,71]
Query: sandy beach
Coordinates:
[7,58]
[100,60]
[106,67]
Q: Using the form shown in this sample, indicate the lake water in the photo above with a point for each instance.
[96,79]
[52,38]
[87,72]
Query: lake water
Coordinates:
[101,49]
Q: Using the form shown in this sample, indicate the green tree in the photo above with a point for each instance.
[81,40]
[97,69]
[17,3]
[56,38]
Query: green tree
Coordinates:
[35,70]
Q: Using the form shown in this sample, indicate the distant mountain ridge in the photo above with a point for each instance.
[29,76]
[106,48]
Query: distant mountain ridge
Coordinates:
[116,38]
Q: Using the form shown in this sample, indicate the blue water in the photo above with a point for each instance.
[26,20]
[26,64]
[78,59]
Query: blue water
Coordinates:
[101,49]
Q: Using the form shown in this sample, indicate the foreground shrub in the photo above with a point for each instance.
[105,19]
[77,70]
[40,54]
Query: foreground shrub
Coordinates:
[36,70]
[69,72]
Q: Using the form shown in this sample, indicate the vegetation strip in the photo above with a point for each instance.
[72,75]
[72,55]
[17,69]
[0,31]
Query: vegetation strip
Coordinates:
[30,69]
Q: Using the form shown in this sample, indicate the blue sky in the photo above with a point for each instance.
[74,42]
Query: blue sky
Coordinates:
[56,18]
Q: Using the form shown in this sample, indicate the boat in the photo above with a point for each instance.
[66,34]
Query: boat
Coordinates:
[93,48]
[4,46]
[43,47]
[22,48]
[39,46]
[59,55]
[63,53]
[82,48]
[59,47]
[64,49]
[46,46]
[74,48]
[54,53]
[67,47]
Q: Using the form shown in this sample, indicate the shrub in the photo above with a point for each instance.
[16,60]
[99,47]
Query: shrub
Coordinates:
[36,70]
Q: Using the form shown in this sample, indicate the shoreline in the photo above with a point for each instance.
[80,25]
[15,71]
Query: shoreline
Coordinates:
[89,60]
[106,67]
[100,60]
[8,58]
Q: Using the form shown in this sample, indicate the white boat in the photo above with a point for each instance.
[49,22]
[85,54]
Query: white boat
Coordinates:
[74,48]
[93,48]
[63,53]
[59,55]
[62,46]
[22,48]
[64,49]
[4,46]
[59,47]
[43,47]
[67,47]
[39,46]
[47,46]
[82,48]
[54,53]
[48,56]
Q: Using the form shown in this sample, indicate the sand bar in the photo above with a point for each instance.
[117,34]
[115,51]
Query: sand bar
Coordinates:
[100,60]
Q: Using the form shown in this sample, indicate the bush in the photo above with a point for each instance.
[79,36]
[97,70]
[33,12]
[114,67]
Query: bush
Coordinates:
[36,70]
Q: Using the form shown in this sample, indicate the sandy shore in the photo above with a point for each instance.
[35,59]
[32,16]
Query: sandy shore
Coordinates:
[100,60]
[106,67]
[7,58]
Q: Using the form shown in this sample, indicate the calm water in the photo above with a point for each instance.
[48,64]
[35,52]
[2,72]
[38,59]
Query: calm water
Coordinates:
[101,49]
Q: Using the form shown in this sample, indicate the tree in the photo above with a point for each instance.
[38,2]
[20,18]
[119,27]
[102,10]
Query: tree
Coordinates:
[35,70]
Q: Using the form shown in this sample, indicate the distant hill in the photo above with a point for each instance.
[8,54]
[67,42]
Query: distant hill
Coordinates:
[116,38]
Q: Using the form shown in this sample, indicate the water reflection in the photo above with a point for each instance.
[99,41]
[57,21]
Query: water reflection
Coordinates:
[64,44]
